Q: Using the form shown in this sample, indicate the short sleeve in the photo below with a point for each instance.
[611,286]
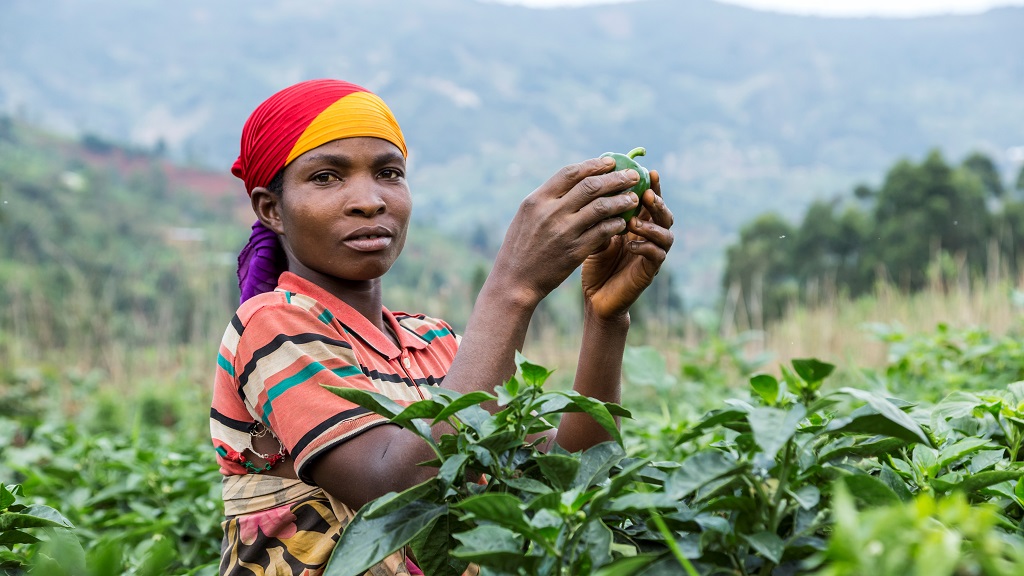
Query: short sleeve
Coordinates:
[285,356]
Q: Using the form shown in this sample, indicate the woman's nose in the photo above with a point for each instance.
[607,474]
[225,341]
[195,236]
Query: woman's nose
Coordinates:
[366,202]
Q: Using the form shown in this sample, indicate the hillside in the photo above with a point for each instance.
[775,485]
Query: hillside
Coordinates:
[107,251]
[741,111]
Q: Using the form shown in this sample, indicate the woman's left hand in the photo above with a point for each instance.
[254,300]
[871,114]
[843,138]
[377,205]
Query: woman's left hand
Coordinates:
[615,276]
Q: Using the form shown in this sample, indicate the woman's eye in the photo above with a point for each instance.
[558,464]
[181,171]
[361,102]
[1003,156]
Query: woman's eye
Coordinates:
[390,174]
[324,178]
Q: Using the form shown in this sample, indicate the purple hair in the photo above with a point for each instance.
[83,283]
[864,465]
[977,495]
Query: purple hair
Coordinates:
[260,262]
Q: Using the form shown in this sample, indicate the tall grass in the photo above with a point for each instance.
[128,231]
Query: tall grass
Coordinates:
[839,329]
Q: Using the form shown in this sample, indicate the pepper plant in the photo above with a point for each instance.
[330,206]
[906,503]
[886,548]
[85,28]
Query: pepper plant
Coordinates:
[18,521]
[746,489]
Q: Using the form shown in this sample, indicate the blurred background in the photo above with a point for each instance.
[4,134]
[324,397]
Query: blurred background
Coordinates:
[843,175]
[807,149]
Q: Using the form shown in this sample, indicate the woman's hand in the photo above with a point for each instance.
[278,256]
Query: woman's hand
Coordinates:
[615,276]
[560,224]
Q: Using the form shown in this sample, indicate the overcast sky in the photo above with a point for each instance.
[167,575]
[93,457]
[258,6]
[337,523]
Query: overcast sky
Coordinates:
[828,7]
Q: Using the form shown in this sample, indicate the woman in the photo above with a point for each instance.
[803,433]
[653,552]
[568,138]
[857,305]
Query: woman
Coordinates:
[324,163]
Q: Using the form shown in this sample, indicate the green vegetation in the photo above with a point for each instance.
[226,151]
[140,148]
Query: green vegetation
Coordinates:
[793,473]
[729,462]
[928,223]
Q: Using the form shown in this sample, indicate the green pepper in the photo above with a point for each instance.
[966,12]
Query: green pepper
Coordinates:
[624,162]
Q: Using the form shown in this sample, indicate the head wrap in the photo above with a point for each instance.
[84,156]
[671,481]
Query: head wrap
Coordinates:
[282,128]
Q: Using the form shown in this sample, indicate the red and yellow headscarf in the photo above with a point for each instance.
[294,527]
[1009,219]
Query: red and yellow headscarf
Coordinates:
[304,116]
[282,128]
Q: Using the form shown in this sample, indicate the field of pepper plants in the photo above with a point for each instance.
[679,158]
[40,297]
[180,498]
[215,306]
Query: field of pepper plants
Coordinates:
[722,467]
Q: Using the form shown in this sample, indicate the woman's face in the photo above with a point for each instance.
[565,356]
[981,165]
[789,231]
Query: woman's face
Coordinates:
[344,211]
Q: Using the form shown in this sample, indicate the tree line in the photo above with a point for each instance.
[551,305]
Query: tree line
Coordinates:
[927,221]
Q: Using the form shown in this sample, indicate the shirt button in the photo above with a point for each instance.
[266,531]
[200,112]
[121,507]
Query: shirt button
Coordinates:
[406,362]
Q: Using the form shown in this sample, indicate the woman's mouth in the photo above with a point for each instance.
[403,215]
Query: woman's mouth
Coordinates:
[368,242]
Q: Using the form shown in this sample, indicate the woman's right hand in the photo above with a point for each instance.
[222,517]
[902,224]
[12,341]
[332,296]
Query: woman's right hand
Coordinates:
[562,222]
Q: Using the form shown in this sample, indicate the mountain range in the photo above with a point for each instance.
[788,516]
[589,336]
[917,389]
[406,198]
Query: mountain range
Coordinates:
[740,111]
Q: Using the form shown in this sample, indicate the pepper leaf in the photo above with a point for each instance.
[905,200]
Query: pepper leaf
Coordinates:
[366,541]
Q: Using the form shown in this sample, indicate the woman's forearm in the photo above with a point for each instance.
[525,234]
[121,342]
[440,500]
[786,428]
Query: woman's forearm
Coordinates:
[598,375]
[495,331]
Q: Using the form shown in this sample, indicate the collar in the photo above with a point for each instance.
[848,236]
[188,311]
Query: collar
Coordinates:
[355,323]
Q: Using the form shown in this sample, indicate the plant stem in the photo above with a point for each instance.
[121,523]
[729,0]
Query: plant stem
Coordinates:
[753,483]
[780,490]
[670,541]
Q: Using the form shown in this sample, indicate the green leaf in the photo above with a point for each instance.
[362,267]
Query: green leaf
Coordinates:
[640,501]
[975,482]
[598,411]
[464,401]
[63,546]
[554,403]
[533,374]
[645,366]
[767,387]
[743,504]
[418,410]
[806,497]
[767,544]
[699,469]
[985,459]
[6,496]
[957,404]
[48,513]
[812,370]
[484,458]
[773,427]
[452,470]
[366,541]
[432,548]
[528,485]
[960,449]
[15,536]
[926,460]
[626,566]
[560,470]
[891,413]
[15,521]
[868,447]
[479,420]
[158,556]
[493,546]
[511,387]
[873,423]
[9,559]
[712,419]
[392,501]
[869,491]
[105,558]
[1003,489]
[504,396]
[373,401]
[596,539]
[501,508]
[596,462]
[895,482]
[630,473]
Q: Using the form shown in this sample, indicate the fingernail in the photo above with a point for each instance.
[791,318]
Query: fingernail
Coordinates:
[638,222]
[633,174]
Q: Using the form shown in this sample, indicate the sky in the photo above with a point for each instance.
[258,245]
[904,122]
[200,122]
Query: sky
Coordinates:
[839,8]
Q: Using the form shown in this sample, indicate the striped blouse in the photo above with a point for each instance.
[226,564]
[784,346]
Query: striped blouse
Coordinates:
[281,346]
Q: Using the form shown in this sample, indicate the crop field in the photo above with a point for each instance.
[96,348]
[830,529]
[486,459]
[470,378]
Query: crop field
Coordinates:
[729,461]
